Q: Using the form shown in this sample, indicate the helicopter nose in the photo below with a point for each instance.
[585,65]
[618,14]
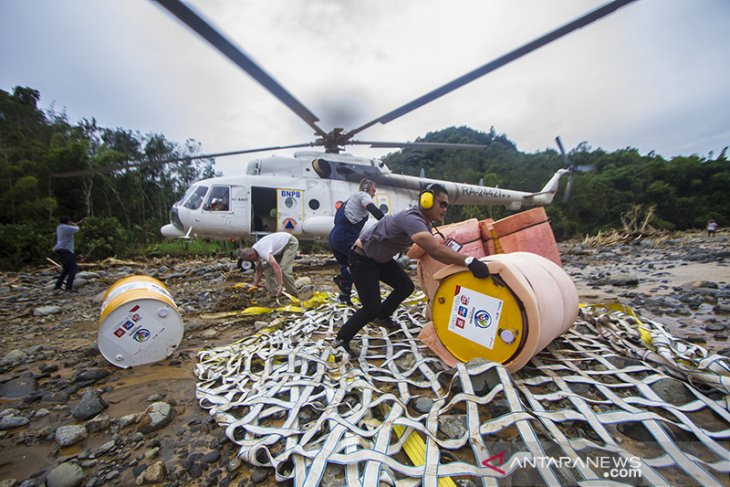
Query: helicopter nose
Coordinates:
[171,231]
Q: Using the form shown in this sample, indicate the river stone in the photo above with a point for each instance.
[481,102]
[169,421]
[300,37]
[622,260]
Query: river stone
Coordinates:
[98,423]
[636,431]
[47,310]
[484,381]
[10,422]
[699,284]
[18,387]
[91,374]
[259,474]
[673,391]
[623,279]
[423,404]
[9,412]
[90,405]
[65,475]
[14,357]
[303,281]
[156,416]
[128,419]
[154,474]
[108,446]
[70,434]
[453,425]
[209,333]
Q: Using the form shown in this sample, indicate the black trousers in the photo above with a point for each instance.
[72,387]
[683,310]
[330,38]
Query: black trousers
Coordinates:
[68,261]
[367,275]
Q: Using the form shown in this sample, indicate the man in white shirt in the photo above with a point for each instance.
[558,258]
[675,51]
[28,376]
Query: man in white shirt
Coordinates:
[274,257]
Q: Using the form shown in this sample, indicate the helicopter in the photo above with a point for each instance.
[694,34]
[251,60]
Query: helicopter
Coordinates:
[301,194]
[298,195]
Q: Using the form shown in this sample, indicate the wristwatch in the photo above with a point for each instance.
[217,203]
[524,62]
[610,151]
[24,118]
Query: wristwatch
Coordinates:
[468,261]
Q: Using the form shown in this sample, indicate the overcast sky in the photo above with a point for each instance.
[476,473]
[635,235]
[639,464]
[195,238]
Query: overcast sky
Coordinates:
[653,75]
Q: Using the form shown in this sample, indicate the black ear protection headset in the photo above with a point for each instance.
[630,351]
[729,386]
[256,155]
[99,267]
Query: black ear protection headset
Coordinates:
[365,185]
[427,196]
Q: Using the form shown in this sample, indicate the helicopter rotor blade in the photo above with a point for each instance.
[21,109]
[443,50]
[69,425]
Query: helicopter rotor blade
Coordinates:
[417,145]
[566,160]
[497,63]
[204,29]
[568,188]
[146,163]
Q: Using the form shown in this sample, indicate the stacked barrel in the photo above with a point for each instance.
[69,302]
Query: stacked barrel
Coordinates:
[527,302]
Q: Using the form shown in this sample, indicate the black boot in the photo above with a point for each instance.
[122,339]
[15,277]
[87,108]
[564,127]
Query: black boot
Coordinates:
[345,289]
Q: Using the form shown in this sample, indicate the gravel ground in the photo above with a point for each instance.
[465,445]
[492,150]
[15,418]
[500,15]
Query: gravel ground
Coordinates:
[68,417]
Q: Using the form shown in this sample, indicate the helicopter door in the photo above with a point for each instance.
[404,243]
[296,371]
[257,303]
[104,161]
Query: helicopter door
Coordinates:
[240,207]
[290,206]
[263,210]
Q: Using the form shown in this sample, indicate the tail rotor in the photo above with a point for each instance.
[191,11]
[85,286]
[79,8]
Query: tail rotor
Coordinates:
[569,166]
[572,168]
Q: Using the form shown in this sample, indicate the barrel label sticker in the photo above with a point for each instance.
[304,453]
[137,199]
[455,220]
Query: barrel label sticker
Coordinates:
[475,316]
[137,331]
[132,324]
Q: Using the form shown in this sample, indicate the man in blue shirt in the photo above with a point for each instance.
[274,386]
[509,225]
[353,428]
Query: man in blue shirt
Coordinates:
[64,250]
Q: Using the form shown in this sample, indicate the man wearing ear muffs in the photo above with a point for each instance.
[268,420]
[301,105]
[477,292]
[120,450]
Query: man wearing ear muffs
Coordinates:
[371,260]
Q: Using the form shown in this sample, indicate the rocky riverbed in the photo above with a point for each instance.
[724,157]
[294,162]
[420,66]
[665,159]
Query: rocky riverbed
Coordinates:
[68,417]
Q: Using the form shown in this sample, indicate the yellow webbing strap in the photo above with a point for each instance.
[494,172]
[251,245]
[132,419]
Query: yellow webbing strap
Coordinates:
[497,244]
[415,448]
[317,299]
[622,308]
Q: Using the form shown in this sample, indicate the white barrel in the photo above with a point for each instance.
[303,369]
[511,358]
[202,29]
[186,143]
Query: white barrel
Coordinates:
[139,322]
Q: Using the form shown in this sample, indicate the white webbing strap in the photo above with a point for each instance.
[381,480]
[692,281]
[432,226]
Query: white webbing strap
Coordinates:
[289,406]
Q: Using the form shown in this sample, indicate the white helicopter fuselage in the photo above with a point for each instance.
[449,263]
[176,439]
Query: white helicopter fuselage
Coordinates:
[300,195]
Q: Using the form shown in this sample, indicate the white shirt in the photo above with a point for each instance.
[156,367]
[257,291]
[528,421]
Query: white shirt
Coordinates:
[271,244]
[65,237]
[355,208]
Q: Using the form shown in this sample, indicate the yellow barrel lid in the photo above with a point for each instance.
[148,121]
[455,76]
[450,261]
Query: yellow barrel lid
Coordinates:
[478,318]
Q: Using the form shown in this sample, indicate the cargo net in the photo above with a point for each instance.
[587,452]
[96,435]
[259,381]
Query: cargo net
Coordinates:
[599,406]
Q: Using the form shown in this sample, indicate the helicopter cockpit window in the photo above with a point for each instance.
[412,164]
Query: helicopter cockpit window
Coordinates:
[218,199]
[195,199]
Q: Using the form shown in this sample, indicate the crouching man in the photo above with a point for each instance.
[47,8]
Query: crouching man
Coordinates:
[274,257]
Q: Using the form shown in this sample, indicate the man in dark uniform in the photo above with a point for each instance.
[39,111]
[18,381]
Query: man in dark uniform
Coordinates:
[371,260]
[350,219]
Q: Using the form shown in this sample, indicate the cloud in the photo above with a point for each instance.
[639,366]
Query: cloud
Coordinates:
[650,76]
